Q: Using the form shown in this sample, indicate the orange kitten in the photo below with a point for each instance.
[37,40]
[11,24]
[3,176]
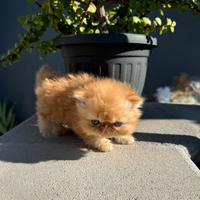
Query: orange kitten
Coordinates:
[96,109]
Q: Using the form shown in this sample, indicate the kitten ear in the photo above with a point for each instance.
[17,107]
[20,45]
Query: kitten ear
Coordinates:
[81,96]
[135,101]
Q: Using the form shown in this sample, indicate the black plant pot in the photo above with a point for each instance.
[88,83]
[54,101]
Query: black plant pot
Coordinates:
[120,56]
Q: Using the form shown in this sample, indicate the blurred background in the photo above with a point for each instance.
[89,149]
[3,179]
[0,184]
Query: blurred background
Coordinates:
[177,52]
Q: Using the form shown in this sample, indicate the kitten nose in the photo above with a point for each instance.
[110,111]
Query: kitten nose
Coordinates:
[106,124]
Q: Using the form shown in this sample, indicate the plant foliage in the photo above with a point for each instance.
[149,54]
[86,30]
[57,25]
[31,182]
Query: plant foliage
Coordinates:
[93,17]
[7,118]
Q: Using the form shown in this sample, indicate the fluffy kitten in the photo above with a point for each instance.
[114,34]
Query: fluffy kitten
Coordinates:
[96,109]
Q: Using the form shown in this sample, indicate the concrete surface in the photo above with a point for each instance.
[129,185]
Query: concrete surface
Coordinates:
[157,166]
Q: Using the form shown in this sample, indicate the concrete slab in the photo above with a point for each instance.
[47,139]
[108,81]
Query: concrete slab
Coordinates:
[157,166]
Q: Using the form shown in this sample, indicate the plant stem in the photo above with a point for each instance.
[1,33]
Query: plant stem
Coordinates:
[38,4]
[83,16]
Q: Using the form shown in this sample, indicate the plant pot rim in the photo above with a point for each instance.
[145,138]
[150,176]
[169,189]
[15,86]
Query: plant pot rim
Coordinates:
[113,38]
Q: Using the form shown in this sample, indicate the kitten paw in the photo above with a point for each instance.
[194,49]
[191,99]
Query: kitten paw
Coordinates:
[124,140]
[101,144]
[104,145]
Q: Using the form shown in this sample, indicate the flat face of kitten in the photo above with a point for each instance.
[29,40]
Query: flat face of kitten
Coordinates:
[108,108]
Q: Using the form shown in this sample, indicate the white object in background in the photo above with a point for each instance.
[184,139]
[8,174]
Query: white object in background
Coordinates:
[163,94]
[195,86]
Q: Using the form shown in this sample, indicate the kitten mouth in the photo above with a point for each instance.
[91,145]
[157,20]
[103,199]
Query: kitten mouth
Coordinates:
[105,129]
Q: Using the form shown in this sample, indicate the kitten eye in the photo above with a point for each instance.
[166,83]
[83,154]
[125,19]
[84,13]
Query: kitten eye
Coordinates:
[95,122]
[117,124]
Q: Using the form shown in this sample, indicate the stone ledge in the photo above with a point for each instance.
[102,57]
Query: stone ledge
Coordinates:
[157,166]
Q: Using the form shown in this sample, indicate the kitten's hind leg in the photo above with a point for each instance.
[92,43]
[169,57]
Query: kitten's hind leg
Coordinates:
[127,139]
[50,129]
[99,143]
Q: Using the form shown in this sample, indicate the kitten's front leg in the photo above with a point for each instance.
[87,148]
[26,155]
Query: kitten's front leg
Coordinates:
[100,143]
[48,128]
[127,139]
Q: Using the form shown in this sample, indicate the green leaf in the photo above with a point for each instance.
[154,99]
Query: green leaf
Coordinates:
[146,21]
[163,30]
[7,117]
[173,24]
[171,28]
[91,31]
[97,31]
[92,8]
[158,21]
[75,5]
[169,5]
[3,112]
[68,21]
[95,23]
[136,19]
[161,12]
[85,21]
[169,21]
[2,129]
[82,29]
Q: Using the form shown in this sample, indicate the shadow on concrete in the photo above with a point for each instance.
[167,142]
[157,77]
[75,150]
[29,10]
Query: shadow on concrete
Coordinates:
[171,111]
[24,146]
[192,143]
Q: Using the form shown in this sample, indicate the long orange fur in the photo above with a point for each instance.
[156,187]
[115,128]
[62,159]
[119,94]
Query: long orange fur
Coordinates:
[75,100]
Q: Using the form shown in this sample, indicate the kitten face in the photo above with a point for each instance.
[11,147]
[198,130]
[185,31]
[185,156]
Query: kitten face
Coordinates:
[108,108]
